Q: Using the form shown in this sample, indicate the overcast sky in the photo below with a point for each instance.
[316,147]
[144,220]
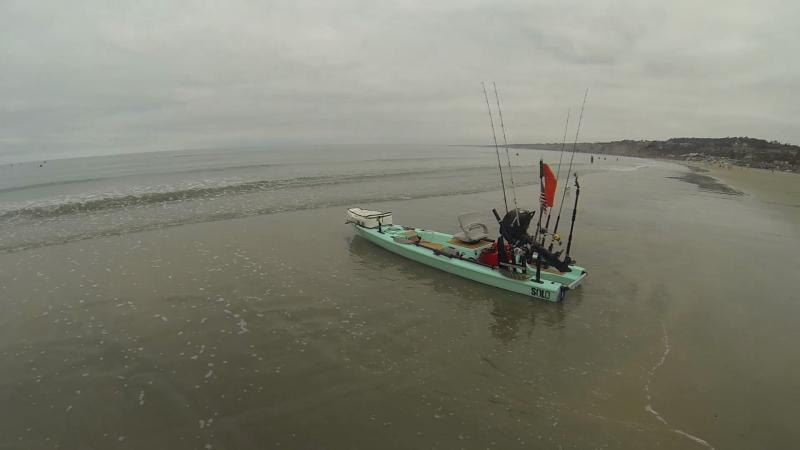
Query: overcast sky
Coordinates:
[86,77]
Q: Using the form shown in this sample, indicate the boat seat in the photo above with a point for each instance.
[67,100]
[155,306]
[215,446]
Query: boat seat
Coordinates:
[472,229]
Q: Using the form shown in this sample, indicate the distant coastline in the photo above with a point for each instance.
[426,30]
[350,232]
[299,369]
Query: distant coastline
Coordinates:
[738,151]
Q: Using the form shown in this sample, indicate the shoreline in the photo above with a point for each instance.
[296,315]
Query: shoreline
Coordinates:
[696,158]
[761,183]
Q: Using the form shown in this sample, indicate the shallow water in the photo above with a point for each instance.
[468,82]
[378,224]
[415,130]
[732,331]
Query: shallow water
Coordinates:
[230,324]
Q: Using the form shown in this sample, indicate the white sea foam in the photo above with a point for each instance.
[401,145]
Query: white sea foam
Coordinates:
[649,408]
[242,326]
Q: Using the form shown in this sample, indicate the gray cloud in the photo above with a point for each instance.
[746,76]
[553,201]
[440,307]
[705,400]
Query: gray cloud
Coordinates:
[104,77]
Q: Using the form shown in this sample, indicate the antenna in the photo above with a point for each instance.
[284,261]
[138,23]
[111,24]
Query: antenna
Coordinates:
[496,148]
[567,259]
[505,144]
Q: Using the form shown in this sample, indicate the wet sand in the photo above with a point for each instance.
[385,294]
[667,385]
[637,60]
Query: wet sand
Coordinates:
[780,189]
[285,331]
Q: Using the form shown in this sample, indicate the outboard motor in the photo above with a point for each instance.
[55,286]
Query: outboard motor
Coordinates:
[513,233]
[514,226]
[514,230]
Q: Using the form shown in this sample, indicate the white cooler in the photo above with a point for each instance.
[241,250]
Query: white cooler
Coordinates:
[368,219]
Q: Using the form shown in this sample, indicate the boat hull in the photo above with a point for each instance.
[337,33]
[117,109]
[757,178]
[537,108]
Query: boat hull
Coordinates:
[549,288]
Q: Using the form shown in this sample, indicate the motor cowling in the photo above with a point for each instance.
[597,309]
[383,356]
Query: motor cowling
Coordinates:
[514,230]
[514,226]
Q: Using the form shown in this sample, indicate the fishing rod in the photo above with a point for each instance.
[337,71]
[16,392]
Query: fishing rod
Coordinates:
[558,172]
[567,259]
[542,205]
[496,148]
[569,169]
[505,144]
[541,200]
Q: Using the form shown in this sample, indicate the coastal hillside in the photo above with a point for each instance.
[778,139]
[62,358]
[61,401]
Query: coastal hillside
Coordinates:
[742,151]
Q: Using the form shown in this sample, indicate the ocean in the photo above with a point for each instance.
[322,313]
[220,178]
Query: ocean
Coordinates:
[215,299]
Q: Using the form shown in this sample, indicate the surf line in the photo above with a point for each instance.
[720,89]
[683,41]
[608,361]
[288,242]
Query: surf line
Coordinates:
[649,407]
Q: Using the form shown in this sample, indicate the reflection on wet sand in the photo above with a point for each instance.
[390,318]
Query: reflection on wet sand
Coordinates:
[706,183]
[512,314]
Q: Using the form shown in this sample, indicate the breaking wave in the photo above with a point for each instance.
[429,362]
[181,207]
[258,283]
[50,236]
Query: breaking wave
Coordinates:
[134,227]
[167,194]
[64,220]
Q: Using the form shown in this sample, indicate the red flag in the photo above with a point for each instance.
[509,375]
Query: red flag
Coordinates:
[548,186]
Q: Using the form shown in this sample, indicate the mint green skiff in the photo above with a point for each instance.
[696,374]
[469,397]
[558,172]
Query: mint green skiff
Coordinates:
[444,252]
